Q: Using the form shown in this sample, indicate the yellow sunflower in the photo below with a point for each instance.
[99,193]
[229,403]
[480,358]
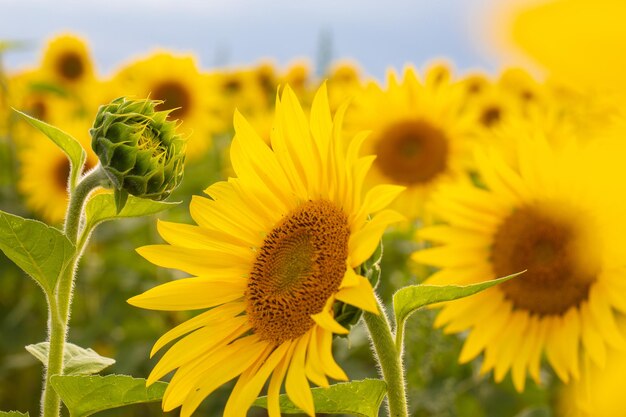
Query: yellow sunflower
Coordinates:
[177,81]
[274,249]
[418,132]
[28,91]
[344,82]
[247,90]
[67,62]
[44,171]
[549,213]
[599,392]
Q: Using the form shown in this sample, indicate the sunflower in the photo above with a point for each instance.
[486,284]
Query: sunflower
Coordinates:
[599,392]
[542,213]
[344,82]
[419,134]
[44,171]
[28,91]
[67,62]
[177,81]
[274,250]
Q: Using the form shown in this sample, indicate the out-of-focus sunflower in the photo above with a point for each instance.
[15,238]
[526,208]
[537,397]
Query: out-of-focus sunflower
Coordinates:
[344,82]
[542,213]
[418,132]
[298,75]
[274,250]
[177,81]
[575,41]
[67,62]
[244,89]
[44,171]
[600,390]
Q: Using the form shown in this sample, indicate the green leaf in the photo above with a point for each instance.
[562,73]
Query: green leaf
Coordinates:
[43,252]
[67,143]
[12,414]
[409,299]
[86,395]
[120,197]
[360,398]
[102,208]
[76,360]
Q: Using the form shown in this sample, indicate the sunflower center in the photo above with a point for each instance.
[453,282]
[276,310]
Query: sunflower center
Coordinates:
[61,172]
[547,247]
[70,66]
[39,109]
[491,116]
[412,152]
[300,265]
[175,97]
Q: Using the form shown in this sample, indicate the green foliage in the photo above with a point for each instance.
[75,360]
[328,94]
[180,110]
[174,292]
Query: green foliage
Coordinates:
[361,398]
[43,252]
[66,142]
[86,395]
[12,414]
[76,360]
[102,208]
[409,299]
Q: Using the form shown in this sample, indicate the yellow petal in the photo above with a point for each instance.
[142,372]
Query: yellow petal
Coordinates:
[198,343]
[296,383]
[325,320]
[234,364]
[250,384]
[592,340]
[273,390]
[361,296]
[224,312]
[350,278]
[193,261]
[189,294]
[363,243]
[313,369]
[325,340]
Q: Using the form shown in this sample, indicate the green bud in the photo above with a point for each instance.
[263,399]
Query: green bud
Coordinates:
[138,148]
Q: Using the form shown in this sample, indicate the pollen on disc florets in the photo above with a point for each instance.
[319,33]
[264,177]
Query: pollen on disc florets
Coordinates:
[299,266]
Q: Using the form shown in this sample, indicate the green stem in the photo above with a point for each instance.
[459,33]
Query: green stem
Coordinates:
[75,208]
[390,360]
[59,305]
[50,401]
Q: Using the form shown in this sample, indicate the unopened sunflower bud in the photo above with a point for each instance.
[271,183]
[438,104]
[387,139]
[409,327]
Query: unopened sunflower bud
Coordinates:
[138,149]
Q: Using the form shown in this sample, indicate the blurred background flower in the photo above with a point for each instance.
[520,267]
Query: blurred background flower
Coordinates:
[432,81]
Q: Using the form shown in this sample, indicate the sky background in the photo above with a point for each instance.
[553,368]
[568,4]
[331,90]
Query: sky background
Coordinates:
[376,34]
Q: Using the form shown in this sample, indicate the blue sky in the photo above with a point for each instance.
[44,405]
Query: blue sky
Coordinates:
[375,33]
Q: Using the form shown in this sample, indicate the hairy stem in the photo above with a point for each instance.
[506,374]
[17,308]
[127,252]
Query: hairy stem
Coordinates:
[59,304]
[74,213]
[390,361]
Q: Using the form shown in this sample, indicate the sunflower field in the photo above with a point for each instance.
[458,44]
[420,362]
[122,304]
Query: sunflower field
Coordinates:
[264,240]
